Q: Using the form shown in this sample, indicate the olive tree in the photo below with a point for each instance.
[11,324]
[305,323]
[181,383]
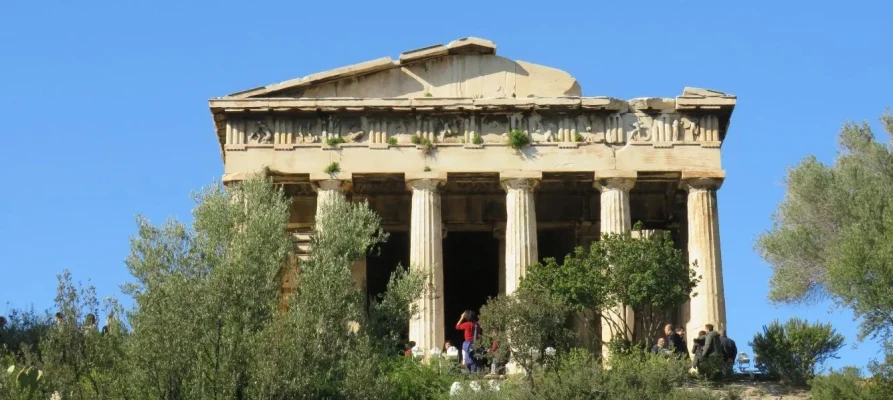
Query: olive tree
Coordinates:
[648,275]
[331,342]
[831,235]
[203,293]
[80,359]
[525,323]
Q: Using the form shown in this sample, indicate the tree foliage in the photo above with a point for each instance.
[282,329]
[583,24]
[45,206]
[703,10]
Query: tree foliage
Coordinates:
[846,384]
[525,323]
[330,344]
[650,276]
[24,330]
[793,351]
[204,293]
[832,235]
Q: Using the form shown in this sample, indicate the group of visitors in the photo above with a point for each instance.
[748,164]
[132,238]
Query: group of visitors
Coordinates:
[473,358]
[709,344]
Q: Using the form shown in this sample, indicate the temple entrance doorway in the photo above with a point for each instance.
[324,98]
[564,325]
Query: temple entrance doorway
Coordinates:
[556,243]
[383,261]
[470,276]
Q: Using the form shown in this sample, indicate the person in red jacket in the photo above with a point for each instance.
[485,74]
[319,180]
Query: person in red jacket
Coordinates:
[468,323]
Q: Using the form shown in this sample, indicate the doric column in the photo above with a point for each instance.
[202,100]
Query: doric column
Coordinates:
[520,225]
[615,219]
[709,305]
[329,188]
[426,255]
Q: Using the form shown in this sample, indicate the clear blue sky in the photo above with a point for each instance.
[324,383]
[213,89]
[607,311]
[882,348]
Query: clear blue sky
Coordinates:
[104,105]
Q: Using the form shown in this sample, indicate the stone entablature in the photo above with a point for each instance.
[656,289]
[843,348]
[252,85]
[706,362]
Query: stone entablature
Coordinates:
[698,116]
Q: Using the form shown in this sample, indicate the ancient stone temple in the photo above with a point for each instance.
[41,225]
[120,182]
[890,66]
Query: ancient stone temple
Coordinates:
[481,165]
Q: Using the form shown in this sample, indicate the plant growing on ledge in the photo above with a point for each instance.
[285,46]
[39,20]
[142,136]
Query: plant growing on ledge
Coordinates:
[424,142]
[579,138]
[392,141]
[477,139]
[335,141]
[332,168]
[518,139]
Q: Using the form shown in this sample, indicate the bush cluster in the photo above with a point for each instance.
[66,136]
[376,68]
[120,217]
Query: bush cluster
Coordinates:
[794,350]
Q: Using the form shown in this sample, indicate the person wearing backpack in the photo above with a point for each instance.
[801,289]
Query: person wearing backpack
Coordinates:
[468,324]
[729,350]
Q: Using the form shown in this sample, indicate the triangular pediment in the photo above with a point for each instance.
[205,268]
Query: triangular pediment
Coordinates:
[464,68]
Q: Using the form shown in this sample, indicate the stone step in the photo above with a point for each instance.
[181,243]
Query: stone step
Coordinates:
[303,236]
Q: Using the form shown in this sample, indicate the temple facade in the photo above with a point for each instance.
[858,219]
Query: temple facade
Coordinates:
[481,165]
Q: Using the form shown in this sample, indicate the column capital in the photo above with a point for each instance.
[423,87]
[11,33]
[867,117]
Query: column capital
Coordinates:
[425,180]
[704,180]
[524,180]
[337,181]
[614,179]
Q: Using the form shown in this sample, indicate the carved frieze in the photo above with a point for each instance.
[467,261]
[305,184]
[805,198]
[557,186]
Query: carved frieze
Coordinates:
[659,128]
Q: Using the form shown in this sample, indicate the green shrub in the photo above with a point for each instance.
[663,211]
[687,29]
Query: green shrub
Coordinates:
[408,378]
[882,370]
[392,141]
[846,384]
[794,350]
[25,329]
[477,139]
[712,368]
[579,138]
[577,375]
[531,320]
[332,168]
[423,142]
[644,376]
[518,139]
[334,141]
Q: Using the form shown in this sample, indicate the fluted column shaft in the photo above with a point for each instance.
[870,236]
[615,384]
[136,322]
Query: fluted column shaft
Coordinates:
[615,219]
[520,229]
[426,327]
[327,192]
[329,189]
[708,306]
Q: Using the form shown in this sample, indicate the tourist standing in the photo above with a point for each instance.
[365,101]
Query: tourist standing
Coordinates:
[729,350]
[711,343]
[698,348]
[468,324]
